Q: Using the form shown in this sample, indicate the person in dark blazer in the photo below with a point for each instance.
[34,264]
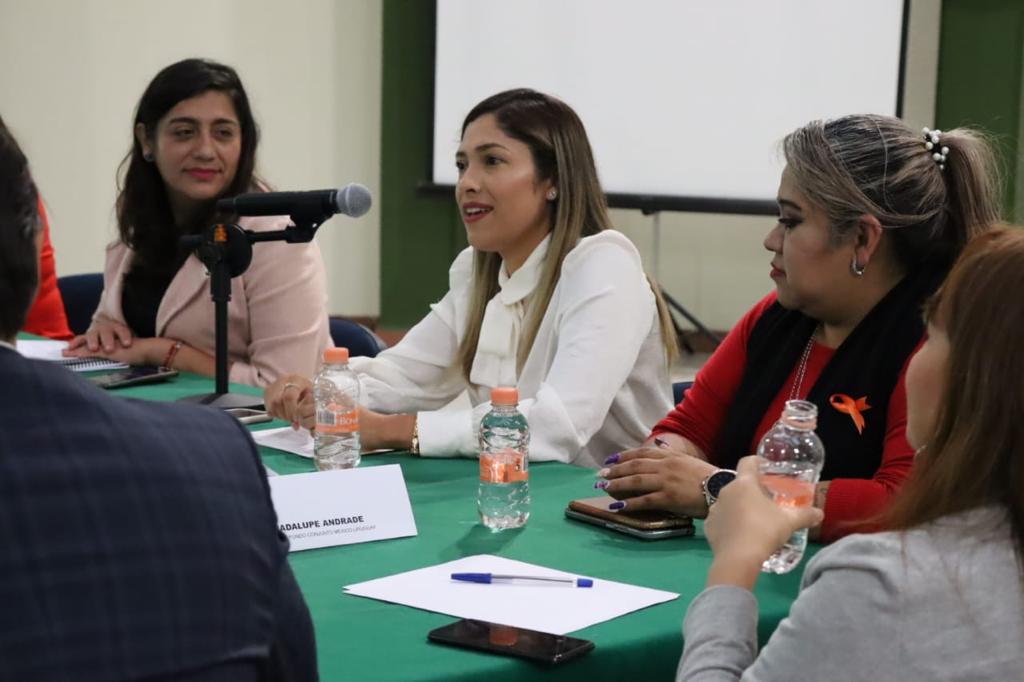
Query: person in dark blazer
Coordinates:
[137,540]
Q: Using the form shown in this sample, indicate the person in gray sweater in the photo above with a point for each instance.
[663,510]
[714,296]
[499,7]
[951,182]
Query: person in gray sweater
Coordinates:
[937,597]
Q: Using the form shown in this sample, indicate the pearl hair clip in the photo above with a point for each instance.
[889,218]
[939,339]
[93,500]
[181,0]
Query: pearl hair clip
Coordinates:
[931,143]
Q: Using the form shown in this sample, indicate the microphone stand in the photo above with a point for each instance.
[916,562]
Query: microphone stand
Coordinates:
[226,251]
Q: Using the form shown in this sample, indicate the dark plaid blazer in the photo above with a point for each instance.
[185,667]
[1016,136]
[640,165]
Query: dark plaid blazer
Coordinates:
[137,541]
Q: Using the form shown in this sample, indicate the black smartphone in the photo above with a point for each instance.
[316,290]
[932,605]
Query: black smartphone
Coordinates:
[249,416]
[133,376]
[511,641]
[646,525]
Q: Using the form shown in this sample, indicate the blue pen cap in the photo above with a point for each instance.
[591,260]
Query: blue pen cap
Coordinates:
[472,577]
[584,582]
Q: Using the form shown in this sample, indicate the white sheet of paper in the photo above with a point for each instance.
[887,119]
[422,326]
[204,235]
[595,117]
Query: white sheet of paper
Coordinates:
[296,442]
[556,608]
[342,507]
[51,351]
[41,349]
[285,438]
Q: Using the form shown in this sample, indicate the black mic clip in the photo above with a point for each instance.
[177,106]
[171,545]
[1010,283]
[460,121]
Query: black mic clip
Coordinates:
[304,226]
[223,244]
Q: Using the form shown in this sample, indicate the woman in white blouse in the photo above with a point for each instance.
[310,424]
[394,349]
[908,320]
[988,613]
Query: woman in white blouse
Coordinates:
[547,298]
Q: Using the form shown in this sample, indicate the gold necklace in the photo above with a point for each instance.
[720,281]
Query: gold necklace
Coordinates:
[802,368]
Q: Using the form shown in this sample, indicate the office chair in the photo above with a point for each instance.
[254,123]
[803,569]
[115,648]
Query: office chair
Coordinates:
[358,339]
[81,294]
[679,390]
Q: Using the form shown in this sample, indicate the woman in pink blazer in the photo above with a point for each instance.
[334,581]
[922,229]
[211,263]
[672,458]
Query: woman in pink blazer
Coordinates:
[194,143]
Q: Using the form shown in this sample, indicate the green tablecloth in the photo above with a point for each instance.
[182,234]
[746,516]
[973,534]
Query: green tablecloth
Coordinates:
[364,639]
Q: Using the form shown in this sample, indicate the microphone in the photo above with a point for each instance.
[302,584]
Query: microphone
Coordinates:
[352,200]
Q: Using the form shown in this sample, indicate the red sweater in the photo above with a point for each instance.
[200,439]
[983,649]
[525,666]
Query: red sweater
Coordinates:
[700,416]
[46,317]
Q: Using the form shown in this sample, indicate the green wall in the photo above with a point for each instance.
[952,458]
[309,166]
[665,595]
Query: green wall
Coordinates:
[980,82]
[981,73]
[420,233]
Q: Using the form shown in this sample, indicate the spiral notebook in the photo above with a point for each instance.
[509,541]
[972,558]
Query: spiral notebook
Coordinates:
[51,351]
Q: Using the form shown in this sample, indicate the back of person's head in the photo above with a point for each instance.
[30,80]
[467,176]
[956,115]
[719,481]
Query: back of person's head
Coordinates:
[878,166]
[143,208]
[19,226]
[975,453]
[561,154]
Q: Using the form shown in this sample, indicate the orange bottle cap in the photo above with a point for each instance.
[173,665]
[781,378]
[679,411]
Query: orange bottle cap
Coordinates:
[336,355]
[504,395]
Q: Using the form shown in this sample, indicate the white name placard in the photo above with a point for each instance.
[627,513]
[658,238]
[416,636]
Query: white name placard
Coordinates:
[342,507]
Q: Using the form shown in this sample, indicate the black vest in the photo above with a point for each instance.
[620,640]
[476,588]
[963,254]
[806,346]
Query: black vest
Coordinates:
[866,365]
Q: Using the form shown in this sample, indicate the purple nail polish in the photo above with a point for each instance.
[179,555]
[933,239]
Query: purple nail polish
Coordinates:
[615,506]
[612,459]
[601,485]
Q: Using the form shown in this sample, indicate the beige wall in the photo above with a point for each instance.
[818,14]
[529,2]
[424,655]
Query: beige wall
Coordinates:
[73,71]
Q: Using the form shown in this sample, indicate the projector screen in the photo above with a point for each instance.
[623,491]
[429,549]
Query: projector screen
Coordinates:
[685,101]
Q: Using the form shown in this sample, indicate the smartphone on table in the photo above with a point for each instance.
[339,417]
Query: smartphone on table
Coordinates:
[248,415]
[133,376]
[647,525]
[511,641]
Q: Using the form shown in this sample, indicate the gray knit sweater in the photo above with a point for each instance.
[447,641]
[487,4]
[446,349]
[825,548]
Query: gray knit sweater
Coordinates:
[941,602]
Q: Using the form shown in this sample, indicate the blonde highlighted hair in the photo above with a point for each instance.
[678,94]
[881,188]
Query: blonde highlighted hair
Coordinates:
[877,165]
[561,153]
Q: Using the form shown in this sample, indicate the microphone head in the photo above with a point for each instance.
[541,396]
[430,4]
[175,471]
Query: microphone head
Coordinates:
[354,200]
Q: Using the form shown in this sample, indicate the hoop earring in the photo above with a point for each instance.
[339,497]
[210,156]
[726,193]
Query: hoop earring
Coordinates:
[856,268]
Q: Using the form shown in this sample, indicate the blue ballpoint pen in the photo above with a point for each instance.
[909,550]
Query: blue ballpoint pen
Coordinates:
[491,577]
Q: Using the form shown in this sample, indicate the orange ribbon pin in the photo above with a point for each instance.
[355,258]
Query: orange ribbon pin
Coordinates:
[848,405]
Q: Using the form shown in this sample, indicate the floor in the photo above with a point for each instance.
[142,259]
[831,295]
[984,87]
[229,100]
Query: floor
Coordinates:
[686,365]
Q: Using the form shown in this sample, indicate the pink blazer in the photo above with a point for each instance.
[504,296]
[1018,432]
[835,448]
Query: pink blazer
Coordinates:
[277,316]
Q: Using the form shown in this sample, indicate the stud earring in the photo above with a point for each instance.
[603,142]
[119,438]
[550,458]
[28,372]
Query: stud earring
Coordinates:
[552,193]
[147,156]
[856,268]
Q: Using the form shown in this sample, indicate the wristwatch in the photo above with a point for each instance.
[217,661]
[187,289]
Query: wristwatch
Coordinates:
[713,484]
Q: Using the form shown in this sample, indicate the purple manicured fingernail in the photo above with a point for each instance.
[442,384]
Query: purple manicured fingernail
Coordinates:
[601,485]
[615,506]
[612,459]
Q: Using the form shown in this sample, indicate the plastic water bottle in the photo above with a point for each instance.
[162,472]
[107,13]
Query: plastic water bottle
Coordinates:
[336,391]
[791,457]
[503,499]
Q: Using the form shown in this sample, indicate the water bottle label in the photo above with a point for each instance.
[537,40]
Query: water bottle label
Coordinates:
[787,491]
[337,419]
[505,466]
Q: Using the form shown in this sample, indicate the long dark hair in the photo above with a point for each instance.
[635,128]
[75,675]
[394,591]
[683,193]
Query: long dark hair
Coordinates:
[975,454]
[144,217]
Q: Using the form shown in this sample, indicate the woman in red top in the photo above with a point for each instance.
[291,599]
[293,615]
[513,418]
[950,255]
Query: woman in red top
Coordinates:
[47,317]
[871,217]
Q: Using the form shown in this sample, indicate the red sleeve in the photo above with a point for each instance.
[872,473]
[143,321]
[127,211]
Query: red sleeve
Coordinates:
[851,500]
[699,417]
[46,317]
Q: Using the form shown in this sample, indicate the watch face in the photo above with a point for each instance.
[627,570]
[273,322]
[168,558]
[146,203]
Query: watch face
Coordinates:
[719,480]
